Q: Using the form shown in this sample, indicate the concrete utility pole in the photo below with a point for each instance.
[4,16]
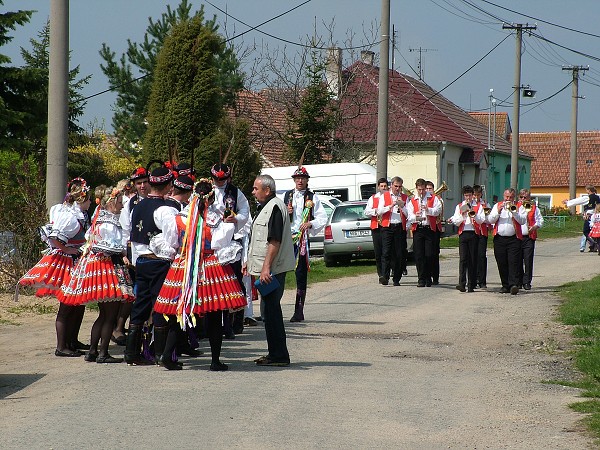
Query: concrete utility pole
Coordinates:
[58,103]
[382,109]
[573,153]
[514,156]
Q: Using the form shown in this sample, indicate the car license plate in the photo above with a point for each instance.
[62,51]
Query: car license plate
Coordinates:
[357,233]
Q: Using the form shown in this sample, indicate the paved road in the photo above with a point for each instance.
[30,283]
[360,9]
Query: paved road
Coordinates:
[373,367]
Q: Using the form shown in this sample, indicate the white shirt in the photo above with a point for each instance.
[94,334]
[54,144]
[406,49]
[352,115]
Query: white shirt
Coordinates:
[320,216]
[435,210]
[164,216]
[505,219]
[539,221]
[243,208]
[458,218]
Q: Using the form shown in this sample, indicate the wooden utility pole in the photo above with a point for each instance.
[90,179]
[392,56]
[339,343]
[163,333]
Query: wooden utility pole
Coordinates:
[382,109]
[573,153]
[514,156]
[58,103]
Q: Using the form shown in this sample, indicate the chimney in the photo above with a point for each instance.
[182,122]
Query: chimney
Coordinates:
[333,70]
[367,57]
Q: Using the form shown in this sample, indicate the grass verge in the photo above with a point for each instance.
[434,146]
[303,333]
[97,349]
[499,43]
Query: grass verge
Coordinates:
[319,273]
[36,308]
[580,309]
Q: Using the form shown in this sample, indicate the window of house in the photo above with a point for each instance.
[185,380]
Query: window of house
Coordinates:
[543,201]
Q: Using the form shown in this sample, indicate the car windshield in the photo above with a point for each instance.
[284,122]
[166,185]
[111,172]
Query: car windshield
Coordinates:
[345,213]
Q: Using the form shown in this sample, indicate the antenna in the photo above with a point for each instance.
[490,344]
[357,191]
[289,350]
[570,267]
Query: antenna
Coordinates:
[421,51]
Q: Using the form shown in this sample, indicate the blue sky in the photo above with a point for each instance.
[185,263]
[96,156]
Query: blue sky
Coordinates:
[456,34]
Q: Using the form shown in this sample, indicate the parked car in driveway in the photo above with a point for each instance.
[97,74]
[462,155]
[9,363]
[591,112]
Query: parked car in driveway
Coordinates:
[348,234]
[316,242]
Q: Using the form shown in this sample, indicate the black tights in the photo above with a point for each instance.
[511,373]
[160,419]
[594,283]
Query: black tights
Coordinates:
[103,327]
[214,331]
[68,323]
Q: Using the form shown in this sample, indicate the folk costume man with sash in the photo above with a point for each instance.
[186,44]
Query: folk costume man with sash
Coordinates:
[379,220]
[393,237]
[307,217]
[534,222]
[468,220]
[149,218]
[233,206]
[423,211]
[507,218]
[482,231]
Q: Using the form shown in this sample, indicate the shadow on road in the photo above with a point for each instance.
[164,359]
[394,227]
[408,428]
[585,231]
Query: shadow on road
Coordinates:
[11,383]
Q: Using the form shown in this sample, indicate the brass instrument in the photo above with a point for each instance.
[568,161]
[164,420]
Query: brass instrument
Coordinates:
[527,205]
[443,188]
[472,213]
[511,207]
[487,210]
[407,191]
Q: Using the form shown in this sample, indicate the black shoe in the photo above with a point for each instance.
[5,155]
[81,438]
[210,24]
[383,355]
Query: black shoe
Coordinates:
[396,283]
[79,346]
[250,322]
[504,290]
[138,361]
[527,287]
[189,351]
[90,357]
[461,287]
[420,284]
[218,367]
[435,282]
[405,272]
[67,353]
[482,286]
[384,281]
[470,290]
[270,362]
[169,364]
[428,284]
[229,335]
[295,319]
[107,359]
[238,330]
[514,290]
[121,340]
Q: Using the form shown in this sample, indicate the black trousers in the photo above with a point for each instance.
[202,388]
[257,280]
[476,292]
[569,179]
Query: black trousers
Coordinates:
[467,265]
[377,248]
[301,270]
[423,249]
[482,242]
[528,249]
[273,320]
[150,276]
[507,251]
[435,260]
[392,257]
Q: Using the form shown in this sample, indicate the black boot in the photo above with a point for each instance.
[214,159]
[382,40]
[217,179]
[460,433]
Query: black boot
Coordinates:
[132,347]
[183,344]
[160,339]
[166,358]
[299,306]
[238,321]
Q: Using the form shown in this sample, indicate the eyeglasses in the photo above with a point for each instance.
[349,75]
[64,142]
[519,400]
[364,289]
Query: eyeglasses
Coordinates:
[522,196]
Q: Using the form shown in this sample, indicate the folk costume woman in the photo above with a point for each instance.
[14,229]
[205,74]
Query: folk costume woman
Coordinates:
[595,225]
[69,222]
[100,275]
[200,280]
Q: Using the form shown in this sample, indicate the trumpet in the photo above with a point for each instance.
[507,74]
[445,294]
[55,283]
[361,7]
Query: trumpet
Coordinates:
[441,189]
[472,213]
[487,210]
[511,207]
[527,205]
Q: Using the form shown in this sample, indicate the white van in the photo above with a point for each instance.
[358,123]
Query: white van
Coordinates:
[344,181]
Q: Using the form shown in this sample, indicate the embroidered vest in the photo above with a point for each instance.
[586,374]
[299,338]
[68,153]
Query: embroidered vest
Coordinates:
[143,226]
[308,195]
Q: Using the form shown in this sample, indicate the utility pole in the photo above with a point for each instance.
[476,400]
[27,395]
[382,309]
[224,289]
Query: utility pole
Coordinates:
[382,108]
[58,103]
[421,51]
[573,153]
[514,156]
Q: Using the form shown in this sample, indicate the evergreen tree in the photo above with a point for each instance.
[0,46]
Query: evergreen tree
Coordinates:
[310,126]
[39,58]
[132,75]
[19,106]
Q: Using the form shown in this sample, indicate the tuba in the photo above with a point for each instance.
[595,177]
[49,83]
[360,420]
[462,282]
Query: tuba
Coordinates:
[443,188]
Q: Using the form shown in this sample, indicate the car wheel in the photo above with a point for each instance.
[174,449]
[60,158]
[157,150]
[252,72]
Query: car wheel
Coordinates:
[330,261]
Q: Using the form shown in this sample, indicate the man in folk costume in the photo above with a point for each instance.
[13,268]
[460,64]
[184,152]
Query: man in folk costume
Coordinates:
[233,206]
[534,222]
[507,218]
[307,217]
[183,185]
[482,231]
[467,219]
[394,213]
[437,237]
[139,180]
[379,220]
[148,219]
[423,210]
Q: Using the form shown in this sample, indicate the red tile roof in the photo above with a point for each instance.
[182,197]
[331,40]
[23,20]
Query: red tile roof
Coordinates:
[503,128]
[417,113]
[551,150]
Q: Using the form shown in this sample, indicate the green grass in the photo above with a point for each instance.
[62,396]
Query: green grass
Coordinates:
[580,309]
[36,308]
[319,273]
[8,322]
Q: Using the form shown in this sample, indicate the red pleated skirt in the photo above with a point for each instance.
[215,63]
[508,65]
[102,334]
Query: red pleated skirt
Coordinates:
[595,231]
[219,289]
[49,274]
[97,278]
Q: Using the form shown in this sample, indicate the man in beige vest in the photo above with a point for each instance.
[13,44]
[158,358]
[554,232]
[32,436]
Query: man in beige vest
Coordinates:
[270,256]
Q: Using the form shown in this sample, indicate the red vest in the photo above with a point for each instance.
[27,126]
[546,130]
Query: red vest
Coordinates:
[475,224]
[480,228]
[385,218]
[531,222]
[416,208]
[516,224]
[404,198]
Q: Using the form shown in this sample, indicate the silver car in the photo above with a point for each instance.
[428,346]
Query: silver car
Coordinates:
[316,242]
[348,234]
